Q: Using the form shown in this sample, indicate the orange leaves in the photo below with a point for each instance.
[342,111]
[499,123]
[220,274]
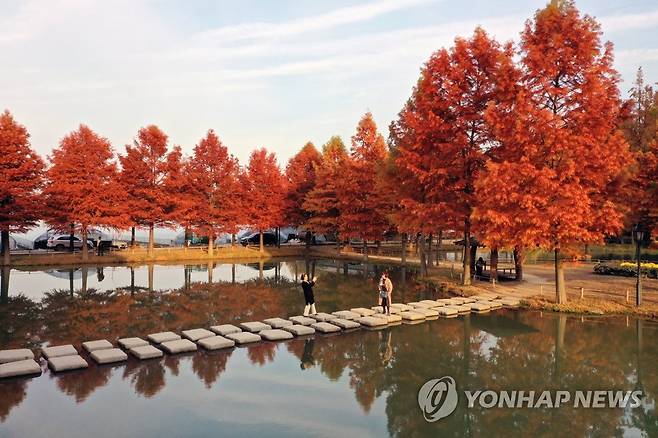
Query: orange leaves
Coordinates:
[265,189]
[301,179]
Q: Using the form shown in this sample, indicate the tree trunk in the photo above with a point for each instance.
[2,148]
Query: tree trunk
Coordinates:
[211,245]
[85,272]
[365,249]
[150,274]
[4,284]
[439,243]
[421,253]
[278,237]
[466,276]
[71,236]
[85,253]
[404,249]
[233,240]
[474,253]
[308,240]
[71,281]
[5,248]
[429,251]
[233,273]
[518,263]
[261,250]
[493,266]
[260,270]
[132,281]
[186,237]
[132,237]
[560,290]
[151,238]
[210,268]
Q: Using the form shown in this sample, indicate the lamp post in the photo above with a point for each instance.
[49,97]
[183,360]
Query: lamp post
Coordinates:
[638,235]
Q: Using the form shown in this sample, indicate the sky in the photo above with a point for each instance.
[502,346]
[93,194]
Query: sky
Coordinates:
[261,73]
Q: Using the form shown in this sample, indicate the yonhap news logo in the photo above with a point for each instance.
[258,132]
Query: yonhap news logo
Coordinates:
[438,398]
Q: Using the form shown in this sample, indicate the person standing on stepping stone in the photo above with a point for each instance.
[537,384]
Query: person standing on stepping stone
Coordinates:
[386,293]
[307,287]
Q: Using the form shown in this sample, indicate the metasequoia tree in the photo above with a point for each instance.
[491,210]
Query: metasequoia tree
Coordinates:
[21,178]
[265,188]
[301,176]
[180,205]
[216,191]
[82,188]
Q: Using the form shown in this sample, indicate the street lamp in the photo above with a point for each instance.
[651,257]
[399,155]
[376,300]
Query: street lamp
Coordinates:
[638,235]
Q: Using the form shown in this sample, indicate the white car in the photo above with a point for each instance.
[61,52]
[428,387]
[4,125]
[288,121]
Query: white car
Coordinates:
[60,242]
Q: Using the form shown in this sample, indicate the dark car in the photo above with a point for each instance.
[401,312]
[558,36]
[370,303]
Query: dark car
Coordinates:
[269,239]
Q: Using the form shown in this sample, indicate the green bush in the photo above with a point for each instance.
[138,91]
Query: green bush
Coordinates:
[606,269]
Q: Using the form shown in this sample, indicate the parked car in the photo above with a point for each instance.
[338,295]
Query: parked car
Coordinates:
[60,242]
[269,239]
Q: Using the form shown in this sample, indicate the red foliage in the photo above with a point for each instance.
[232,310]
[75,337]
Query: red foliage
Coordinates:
[300,175]
[265,188]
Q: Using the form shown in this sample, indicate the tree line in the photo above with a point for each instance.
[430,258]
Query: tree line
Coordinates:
[519,145]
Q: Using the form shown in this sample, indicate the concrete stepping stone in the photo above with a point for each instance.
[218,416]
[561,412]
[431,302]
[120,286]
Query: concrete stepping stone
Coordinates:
[15,355]
[67,363]
[299,330]
[109,355]
[325,327]
[460,300]
[438,303]
[419,305]
[390,319]
[429,303]
[445,301]
[323,317]
[402,307]
[179,346]
[478,307]
[345,324]
[254,326]
[453,302]
[275,335]
[510,302]
[372,321]
[363,311]
[448,311]
[466,300]
[494,304]
[225,329]
[146,352]
[346,314]
[129,343]
[277,323]
[25,367]
[101,344]
[429,313]
[159,338]
[380,309]
[412,322]
[216,342]
[409,315]
[59,350]
[461,309]
[195,335]
[243,337]
[302,320]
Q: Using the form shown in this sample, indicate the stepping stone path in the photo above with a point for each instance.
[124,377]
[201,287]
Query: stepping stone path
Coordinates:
[159,338]
[345,324]
[25,367]
[478,307]
[179,346]
[146,352]
[493,304]
[102,344]
[15,355]
[129,343]
[325,327]
[277,323]
[323,317]
[109,355]
[346,314]
[363,311]
[402,307]
[429,313]
[302,320]
[195,335]
[243,338]
[299,330]
[460,308]
[254,327]
[59,350]
[372,321]
[390,319]
[418,305]
[275,335]
[412,316]
[216,342]
[67,363]
[429,303]
[225,329]
[448,311]
[510,302]
[380,309]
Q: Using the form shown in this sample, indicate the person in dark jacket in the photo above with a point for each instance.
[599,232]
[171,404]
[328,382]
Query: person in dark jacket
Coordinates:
[307,287]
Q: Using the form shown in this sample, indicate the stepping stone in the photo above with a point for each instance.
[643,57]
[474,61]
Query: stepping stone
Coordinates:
[429,313]
[66,363]
[101,344]
[402,307]
[325,327]
[225,329]
[478,307]
[15,355]
[490,295]
[243,337]
[438,303]
[493,304]
[510,302]
[275,335]
[323,317]
[363,311]
[372,321]
[445,301]
[458,300]
[419,305]
[410,322]
[453,302]
[146,352]
[302,320]
[448,311]
[345,324]
[430,303]
[59,350]
[299,330]
[277,323]
[179,346]
[195,335]
[109,355]
[380,309]
[390,319]
[129,343]
[466,300]
[346,314]
[461,309]
[412,316]
[254,326]
[26,367]
[159,338]
[216,342]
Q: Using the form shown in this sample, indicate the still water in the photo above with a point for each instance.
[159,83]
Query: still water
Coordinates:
[362,383]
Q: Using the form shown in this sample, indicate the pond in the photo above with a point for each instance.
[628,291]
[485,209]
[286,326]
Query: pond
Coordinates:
[360,383]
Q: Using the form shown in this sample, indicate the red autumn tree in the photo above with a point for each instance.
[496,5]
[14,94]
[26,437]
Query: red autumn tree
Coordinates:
[216,190]
[265,189]
[82,187]
[301,178]
[21,178]
[363,203]
[449,135]
[180,204]
[322,201]
[144,168]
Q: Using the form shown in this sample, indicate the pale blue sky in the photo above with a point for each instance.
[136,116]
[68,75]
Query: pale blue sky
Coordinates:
[261,73]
